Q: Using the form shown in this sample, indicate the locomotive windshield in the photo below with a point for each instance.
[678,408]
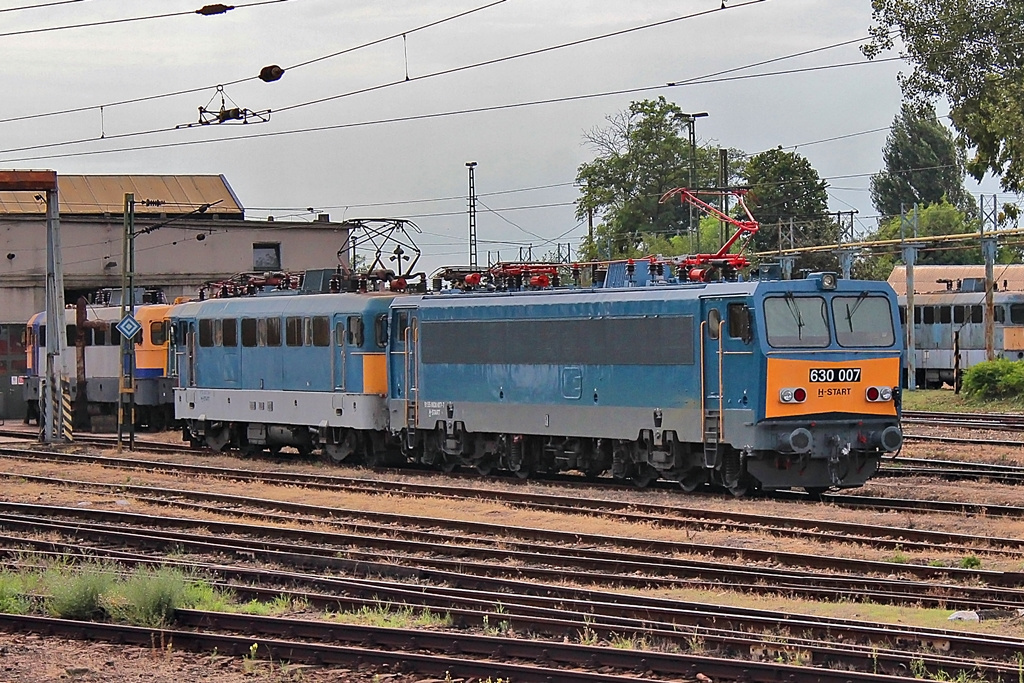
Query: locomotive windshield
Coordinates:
[863,320]
[799,322]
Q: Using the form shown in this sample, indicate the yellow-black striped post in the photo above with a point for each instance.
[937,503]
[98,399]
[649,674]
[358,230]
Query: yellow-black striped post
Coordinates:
[65,412]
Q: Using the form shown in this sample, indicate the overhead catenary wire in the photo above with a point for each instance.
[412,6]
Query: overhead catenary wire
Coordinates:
[40,5]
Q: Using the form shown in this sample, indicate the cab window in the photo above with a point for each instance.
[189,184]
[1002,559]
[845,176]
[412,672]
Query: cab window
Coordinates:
[796,321]
[864,320]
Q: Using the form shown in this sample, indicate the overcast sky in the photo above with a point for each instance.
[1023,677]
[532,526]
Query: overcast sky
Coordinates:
[414,167]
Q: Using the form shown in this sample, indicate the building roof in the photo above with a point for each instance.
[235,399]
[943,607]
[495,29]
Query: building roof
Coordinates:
[927,278]
[91,195]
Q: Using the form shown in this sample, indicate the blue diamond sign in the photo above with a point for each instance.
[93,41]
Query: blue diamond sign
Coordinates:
[128,327]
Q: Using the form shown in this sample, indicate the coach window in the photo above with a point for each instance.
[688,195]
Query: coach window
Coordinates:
[355,330]
[739,322]
[321,330]
[158,333]
[206,332]
[929,315]
[115,336]
[273,332]
[1017,314]
[944,315]
[249,335]
[977,314]
[99,336]
[72,334]
[380,330]
[714,323]
[293,331]
[917,315]
[1000,314]
[339,334]
[958,314]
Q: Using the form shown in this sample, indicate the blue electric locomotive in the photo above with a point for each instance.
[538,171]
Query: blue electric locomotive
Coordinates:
[764,384]
[292,370]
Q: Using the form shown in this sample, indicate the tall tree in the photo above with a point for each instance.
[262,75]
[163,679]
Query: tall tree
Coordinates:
[643,153]
[923,165]
[969,53]
[785,190]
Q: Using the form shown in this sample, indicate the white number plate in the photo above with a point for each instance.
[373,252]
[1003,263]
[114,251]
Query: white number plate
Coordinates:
[835,375]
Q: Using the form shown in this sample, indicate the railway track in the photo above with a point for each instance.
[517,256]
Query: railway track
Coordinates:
[555,610]
[686,517]
[1004,422]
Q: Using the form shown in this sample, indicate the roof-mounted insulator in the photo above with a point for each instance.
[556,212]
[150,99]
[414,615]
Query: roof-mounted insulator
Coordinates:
[216,8]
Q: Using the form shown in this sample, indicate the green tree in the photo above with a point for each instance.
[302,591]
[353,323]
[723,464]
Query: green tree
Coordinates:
[923,165]
[785,189]
[970,54]
[643,153]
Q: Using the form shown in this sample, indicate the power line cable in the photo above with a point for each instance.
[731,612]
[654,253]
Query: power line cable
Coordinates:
[187,91]
[218,9]
[45,4]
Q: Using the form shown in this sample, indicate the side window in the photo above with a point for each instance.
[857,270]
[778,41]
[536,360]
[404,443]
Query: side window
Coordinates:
[158,333]
[42,335]
[929,315]
[380,330]
[72,334]
[205,332]
[958,314]
[273,331]
[917,315]
[1017,314]
[321,331]
[978,314]
[230,331]
[307,331]
[903,315]
[714,323]
[739,322]
[293,331]
[218,332]
[944,315]
[355,330]
[339,334]
[115,336]
[99,336]
[249,332]
[1000,314]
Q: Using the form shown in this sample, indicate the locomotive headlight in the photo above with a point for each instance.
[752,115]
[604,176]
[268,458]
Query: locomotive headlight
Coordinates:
[885,393]
[786,395]
[792,395]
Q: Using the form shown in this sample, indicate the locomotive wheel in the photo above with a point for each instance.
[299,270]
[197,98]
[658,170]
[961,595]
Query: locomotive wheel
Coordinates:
[217,439]
[644,475]
[815,492]
[693,481]
[523,473]
[485,466]
[338,452]
[740,488]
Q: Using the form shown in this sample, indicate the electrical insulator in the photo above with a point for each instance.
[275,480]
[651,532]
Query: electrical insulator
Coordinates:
[217,8]
[269,74]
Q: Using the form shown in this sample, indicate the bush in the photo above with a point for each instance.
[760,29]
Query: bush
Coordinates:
[1000,378]
[12,594]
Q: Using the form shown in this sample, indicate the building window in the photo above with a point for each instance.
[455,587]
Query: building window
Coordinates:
[266,256]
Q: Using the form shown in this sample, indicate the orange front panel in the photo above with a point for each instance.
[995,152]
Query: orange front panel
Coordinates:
[375,375]
[834,396]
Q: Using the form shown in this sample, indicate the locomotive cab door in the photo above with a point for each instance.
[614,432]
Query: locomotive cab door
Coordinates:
[404,364]
[338,353]
[727,363]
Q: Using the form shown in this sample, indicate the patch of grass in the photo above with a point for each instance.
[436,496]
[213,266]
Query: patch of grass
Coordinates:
[202,595]
[393,616]
[945,401]
[148,597]
[76,593]
[282,604]
[12,594]
[970,562]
